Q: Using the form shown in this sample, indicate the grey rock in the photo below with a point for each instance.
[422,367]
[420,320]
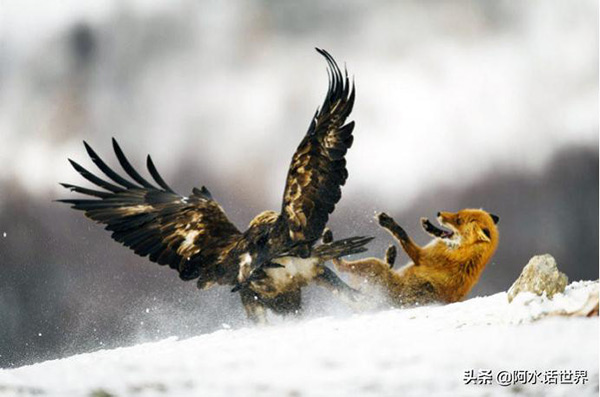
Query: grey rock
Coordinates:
[538,276]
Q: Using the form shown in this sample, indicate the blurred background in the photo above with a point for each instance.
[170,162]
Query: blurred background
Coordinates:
[487,104]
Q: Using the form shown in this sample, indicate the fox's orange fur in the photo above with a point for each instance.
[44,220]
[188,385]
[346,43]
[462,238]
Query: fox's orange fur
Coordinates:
[445,270]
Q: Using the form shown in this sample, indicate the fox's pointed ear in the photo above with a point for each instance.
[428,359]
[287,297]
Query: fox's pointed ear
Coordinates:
[495,218]
[484,235]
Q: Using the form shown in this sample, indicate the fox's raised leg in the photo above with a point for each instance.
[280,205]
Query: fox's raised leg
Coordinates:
[430,229]
[412,250]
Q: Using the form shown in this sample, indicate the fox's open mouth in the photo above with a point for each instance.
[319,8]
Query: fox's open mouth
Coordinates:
[436,231]
[446,233]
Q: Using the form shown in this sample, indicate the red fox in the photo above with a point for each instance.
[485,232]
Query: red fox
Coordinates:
[444,271]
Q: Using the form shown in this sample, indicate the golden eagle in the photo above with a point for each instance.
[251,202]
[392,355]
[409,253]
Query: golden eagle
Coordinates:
[269,262]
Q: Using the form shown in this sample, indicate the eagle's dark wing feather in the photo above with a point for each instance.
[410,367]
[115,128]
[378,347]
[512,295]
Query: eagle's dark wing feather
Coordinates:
[190,234]
[318,168]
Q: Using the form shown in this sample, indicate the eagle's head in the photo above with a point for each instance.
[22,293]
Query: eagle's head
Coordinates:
[257,254]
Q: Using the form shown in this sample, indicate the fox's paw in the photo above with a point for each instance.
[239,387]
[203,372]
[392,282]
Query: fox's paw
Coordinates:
[327,236]
[388,223]
[385,220]
[390,255]
[427,226]
[430,229]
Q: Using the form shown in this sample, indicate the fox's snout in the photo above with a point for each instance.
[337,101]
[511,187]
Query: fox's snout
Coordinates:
[446,217]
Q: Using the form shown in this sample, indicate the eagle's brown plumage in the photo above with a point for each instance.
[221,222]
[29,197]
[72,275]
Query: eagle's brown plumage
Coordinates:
[193,235]
[318,168]
[189,234]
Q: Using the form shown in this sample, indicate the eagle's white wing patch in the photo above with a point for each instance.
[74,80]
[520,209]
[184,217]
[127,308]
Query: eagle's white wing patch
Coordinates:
[295,269]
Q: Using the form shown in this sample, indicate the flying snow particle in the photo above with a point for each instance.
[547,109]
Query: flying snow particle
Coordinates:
[4,234]
[39,334]
[147,310]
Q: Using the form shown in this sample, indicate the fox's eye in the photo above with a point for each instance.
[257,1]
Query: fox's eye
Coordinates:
[458,221]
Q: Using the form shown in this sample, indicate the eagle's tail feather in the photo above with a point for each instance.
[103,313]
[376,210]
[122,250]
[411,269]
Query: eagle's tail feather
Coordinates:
[340,248]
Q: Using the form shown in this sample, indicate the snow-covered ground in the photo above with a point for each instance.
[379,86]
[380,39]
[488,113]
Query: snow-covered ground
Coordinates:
[422,352]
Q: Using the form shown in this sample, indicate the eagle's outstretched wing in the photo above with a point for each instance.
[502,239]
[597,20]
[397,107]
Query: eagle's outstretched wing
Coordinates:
[318,168]
[190,234]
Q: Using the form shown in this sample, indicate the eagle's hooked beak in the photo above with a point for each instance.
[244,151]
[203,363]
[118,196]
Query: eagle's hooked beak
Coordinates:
[255,264]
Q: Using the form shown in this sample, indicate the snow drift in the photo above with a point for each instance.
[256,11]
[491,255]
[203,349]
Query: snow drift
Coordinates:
[419,351]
